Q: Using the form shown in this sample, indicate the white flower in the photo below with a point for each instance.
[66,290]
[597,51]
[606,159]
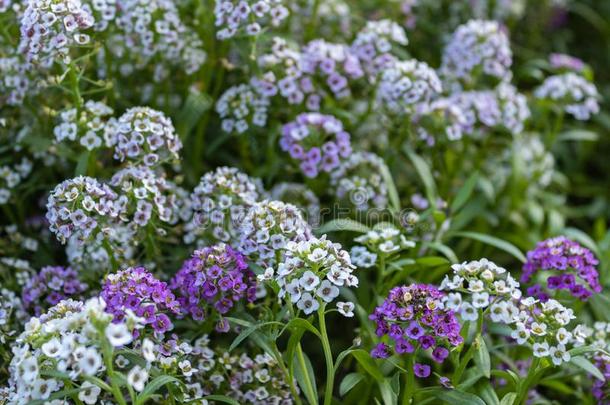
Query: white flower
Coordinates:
[468,312]
[148,348]
[309,281]
[521,334]
[90,362]
[327,291]
[41,389]
[453,301]
[476,286]
[538,329]
[118,334]
[29,369]
[308,304]
[186,368]
[346,308]
[563,336]
[541,349]
[480,299]
[52,348]
[559,354]
[137,378]
[89,393]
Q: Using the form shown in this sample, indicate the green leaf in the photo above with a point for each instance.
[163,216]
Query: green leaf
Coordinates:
[366,361]
[432,261]
[509,399]
[299,323]
[586,365]
[153,386]
[481,357]
[343,224]
[247,332]
[81,165]
[465,192]
[391,186]
[495,242]
[387,394]
[221,398]
[445,250]
[195,105]
[349,382]
[424,173]
[488,394]
[578,135]
[306,378]
[455,396]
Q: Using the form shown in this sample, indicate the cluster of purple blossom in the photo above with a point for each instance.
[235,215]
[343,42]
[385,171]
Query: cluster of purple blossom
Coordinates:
[571,91]
[89,127]
[414,318]
[373,45]
[50,286]
[137,290]
[317,140]
[572,268]
[235,17]
[215,278]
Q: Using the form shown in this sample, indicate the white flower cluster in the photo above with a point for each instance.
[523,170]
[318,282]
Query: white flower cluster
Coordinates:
[538,162]
[82,206]
[359,179]
[154,32]
[312,272]
[149,193]
[374,43]
[574,93]
[440,116]
[220,202]
[267,228]
[49,28]
[14,81]
[144,135]
[503,107]
[242,106]
[405,84]
[12,314]
[11,177]
[67,339]
[477,50]
[383,241]
[89,127]
[300,196]
[478,285]
[235,17]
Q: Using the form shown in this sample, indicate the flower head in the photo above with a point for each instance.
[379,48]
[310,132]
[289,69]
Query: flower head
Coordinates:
[50,286]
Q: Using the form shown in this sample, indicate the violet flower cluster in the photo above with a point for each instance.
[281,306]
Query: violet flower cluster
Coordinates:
[51,285]
[135,289]
[414,318]
[215,279]
[571,266]
[318,141]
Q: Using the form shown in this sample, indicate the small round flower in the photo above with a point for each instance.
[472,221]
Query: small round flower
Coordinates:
[137,290]
[239,17]
[362,257]
[359,180]
[16,83]
[90,127]
[220,202]
[318,141]
[384,240]
[477,53]
[242,107]
[346,308]
[137,378]
[414,316]
[421,370]
[571,266]
[213,281]
[147,136]
[312,271]
[50,286]
[572,92]
[405,84]
[300,196]
[82,206]
[374,44]
[266,229]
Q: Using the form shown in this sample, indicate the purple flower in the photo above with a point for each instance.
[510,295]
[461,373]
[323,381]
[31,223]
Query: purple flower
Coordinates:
[416,310]
[136,289]
[216,278]
[51,285]
[571,267]
[421,370]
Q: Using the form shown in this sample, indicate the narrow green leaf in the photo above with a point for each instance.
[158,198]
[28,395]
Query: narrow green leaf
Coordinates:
[247,332]
[455,396]
[342,224]
[509,399]
[299,323]
[424,173]
[495,242]
[306,378]
[578,135]
[481,357]
[586,365]
[387,395]
[153,386]
[195,105]
[464,193]
[349,382]
[81,165]
[366,361]
[391,186]
[222,398]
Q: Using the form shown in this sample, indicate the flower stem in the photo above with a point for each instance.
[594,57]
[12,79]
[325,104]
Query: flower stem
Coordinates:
[527,382]
[409,382]
[328,356]
[287,374]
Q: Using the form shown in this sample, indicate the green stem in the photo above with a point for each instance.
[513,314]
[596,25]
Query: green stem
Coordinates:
[306,380]
[409,382]
[107,355]
[74,86]
[380,274]
[328,356]
[288,375]
[525,384]
[457,375]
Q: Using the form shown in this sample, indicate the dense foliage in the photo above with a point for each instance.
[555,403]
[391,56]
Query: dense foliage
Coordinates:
[304,202]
